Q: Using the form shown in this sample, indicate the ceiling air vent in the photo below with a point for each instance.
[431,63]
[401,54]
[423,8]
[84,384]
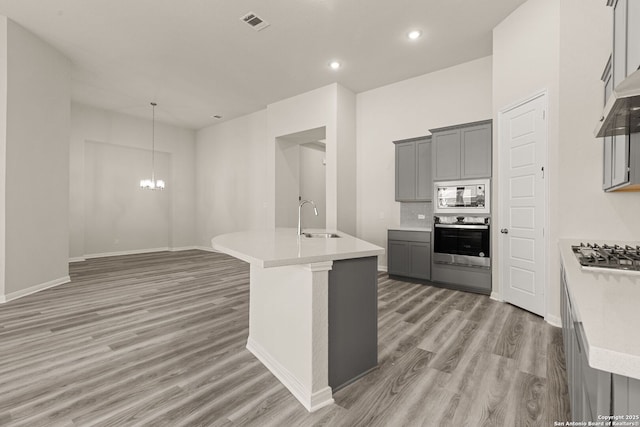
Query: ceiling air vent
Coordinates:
[255,21]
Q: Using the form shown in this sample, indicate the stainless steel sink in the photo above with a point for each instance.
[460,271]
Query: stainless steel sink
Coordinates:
[321,235]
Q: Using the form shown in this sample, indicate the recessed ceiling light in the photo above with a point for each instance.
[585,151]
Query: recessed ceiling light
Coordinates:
[414,34]
[335,65]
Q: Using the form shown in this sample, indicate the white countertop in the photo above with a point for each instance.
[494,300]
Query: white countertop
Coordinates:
[608,305]
[282,246]
[402,228]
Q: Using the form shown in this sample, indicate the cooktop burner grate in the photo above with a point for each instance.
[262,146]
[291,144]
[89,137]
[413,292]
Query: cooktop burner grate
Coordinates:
[616,257]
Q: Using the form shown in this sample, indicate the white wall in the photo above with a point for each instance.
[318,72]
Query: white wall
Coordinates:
[287,182]
[232,188]
[331,107]
[403,110]
[587,211]
[564,46]
[118,215]
[312,185]
[300,175]
[104,220]
[4,22]
[526,60]
[346,186]
[310,110]
[36,162]
[237,163]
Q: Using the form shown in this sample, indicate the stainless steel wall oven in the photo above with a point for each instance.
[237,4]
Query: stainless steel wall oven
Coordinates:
[462,241]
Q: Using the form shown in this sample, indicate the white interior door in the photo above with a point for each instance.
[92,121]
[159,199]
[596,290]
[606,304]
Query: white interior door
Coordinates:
[523,145]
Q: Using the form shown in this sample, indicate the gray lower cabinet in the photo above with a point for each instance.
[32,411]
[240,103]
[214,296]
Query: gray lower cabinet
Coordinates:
[409,254]
[626,396]
[589,388]
[462,151]
[592,392]
[468,279]
[353,320]
[413,170]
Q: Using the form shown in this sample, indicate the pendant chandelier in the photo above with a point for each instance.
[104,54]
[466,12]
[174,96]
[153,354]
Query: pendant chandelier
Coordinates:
[153,183]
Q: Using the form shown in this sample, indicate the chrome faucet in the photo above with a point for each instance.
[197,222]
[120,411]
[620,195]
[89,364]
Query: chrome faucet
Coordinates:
[300,213]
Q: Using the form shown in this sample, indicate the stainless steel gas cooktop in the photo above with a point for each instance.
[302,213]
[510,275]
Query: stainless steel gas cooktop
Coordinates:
[608,256]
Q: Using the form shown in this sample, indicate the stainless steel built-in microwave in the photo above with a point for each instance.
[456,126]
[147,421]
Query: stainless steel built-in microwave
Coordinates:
[460,197]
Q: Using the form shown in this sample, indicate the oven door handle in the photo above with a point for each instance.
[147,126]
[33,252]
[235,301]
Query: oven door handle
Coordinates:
[468,226]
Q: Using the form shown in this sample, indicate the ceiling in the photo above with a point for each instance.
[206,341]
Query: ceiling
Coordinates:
[197,58]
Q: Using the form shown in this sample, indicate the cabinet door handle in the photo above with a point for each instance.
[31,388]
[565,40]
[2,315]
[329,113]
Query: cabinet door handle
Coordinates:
[504,231]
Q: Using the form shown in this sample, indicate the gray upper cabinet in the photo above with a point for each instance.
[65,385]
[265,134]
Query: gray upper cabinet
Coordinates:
[607,162]
[414,182]
[626,38]
[621,163]
[424,178]
[620,157]
[462,152]
[446,155]
[619,42]
[620,160]
[633,36]
[476,152]
[405,171]
[607,152]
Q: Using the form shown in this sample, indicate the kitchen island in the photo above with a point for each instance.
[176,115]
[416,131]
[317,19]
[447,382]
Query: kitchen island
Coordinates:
[312,307]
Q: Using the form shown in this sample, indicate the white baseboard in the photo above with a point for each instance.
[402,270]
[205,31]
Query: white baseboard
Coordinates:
[311,401]
[33,289]
[140,251]
[496,297]
[207,248]
[131,252]
[553,320]
[183,248]
[383,268]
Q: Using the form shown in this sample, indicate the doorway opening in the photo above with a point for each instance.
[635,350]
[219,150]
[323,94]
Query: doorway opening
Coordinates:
[301,175]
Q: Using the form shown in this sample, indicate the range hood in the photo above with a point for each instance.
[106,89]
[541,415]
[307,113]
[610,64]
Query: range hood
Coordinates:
[622,112]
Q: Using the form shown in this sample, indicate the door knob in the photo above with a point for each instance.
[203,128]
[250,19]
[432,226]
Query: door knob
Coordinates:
[504,231]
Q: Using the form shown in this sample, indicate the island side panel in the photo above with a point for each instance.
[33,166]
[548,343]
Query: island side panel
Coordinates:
[288,329]
[353,320]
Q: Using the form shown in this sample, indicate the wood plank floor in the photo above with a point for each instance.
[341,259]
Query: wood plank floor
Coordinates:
[159,340]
